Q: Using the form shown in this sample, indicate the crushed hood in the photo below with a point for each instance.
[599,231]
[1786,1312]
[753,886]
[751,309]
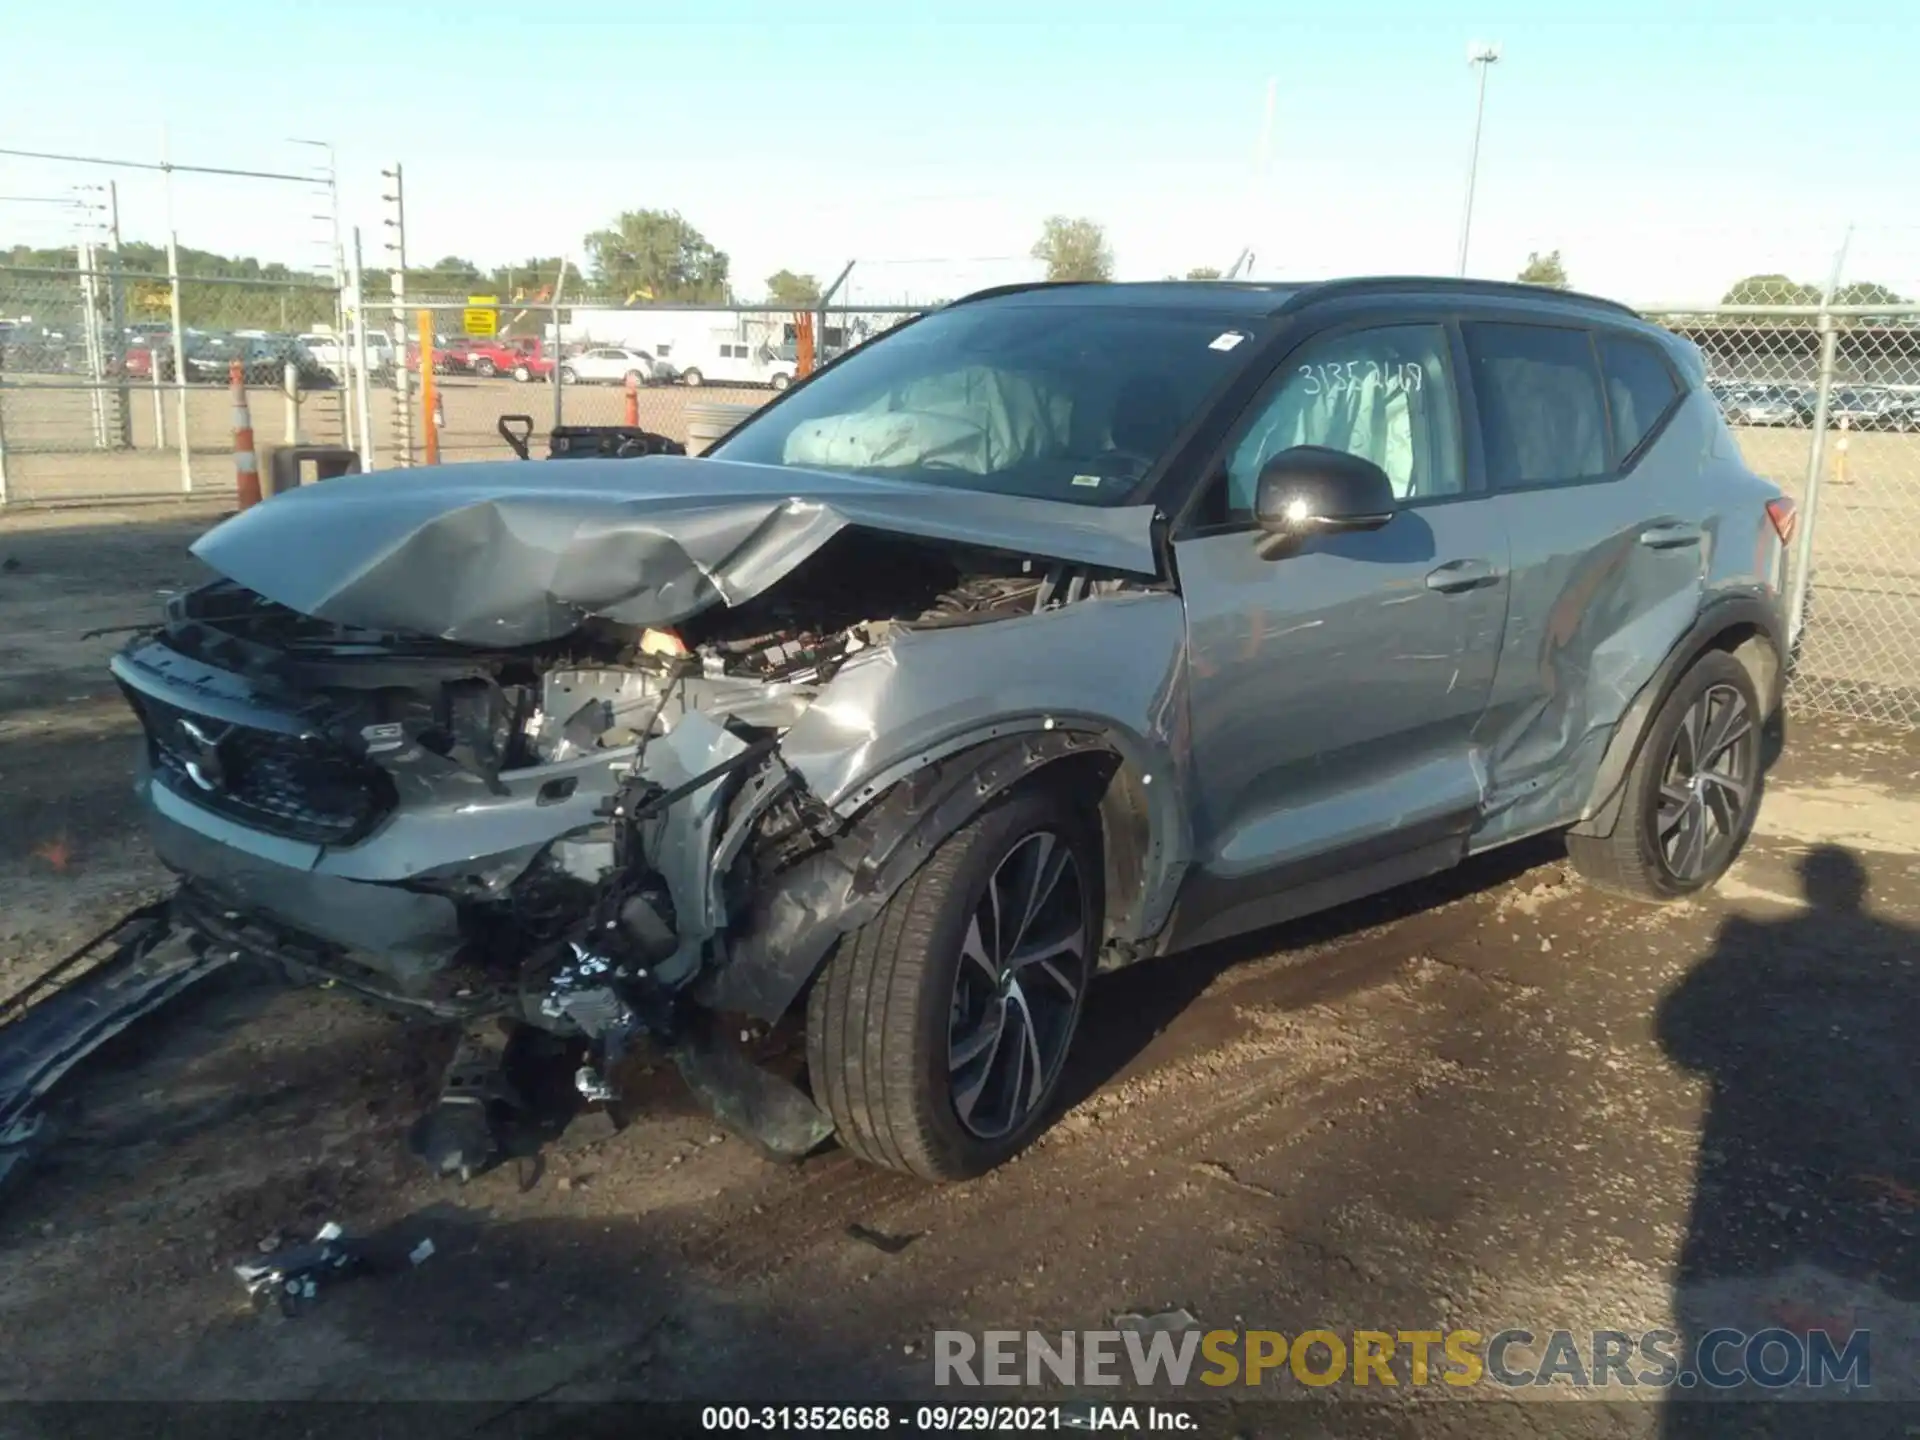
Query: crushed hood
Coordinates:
[512,553]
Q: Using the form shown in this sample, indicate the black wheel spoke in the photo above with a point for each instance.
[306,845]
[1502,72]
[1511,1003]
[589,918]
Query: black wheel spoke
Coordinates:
[973,951]
[1024,959]
[1729,725]
[1706,784]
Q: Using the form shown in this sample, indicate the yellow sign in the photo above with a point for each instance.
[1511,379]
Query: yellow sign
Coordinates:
[154,299]
[481,318]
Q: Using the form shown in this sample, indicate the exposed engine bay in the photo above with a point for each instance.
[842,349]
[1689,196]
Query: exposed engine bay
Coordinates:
[575,834]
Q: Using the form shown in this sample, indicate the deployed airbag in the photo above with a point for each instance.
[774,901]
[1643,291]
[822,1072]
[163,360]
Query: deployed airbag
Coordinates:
[977,419]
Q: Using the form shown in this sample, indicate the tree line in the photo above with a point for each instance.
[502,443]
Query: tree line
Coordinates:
[640,257]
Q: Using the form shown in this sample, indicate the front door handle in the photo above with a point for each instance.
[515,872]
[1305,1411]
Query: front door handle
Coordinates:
[1457,575]
[1671,535]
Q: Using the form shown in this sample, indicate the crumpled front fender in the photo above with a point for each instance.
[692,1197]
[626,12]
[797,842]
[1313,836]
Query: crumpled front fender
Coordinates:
[910,742]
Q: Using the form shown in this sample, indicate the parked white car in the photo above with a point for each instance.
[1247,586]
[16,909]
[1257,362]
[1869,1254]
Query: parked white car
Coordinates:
[334,352]
[610,365]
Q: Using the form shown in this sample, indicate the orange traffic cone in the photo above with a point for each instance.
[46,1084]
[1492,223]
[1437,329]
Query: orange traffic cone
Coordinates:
[246,462]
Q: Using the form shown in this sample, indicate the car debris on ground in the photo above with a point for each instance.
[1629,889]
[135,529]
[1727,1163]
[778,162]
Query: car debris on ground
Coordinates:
[292,1279]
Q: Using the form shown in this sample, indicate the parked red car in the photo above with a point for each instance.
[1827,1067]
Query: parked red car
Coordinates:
[505,356]
[451,355]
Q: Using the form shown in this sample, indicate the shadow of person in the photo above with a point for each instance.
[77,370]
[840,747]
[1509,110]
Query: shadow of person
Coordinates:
[1806,1208]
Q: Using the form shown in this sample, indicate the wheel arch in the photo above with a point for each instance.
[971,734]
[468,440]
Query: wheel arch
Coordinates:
[802,913]
[1744,626]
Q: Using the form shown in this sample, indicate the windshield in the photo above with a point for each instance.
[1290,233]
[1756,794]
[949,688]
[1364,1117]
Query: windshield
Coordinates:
[1055,402]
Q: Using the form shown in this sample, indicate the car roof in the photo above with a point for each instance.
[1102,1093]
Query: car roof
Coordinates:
[1255,299]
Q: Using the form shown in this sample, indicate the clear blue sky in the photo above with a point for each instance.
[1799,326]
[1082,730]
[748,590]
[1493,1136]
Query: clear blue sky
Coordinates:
[1665,149]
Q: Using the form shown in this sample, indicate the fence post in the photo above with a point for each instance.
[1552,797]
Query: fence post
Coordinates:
[159,409]
[559,350]
[429,392]
[179,361]
[3,439]
[1816,462]
[291,390]
[362,394]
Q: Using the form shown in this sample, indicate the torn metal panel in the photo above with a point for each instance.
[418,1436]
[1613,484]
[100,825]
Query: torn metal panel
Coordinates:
[493,554]
[1112,666]
[680,840]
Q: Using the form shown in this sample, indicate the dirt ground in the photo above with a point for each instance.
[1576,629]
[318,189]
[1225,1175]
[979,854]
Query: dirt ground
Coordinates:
[1496,1098]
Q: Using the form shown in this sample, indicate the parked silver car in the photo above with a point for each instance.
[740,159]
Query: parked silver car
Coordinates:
[1061,628]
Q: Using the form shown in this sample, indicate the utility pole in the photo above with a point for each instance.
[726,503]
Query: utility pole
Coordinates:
[402,378]
[117,315]
[337,266]
[1484,56]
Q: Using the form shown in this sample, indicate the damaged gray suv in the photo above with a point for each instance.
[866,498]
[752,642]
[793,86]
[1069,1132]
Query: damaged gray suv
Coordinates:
[1061,628]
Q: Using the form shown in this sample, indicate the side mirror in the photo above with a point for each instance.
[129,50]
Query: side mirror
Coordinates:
[1311,490]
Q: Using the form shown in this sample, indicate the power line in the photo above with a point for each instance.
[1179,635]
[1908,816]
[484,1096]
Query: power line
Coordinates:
[166,166]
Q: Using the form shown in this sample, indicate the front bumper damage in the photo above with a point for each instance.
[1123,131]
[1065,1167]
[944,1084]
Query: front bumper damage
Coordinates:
[641,808]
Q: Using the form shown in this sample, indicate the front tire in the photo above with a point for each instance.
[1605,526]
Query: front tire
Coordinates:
[567,377]
[781,382]
[938,1032]
[691,378]
[1691,794]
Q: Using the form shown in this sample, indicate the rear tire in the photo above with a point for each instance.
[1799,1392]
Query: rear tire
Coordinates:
[932,1056]
[567,377]
[485,369]
[1691,794]
[691,378]
[781,382]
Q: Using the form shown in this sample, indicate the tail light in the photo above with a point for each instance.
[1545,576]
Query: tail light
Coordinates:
[1785,517]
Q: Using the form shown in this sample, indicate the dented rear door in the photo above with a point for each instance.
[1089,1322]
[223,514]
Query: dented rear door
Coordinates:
[1598,473]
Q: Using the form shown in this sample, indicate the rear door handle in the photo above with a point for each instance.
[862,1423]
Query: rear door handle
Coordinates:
[1458,575]
[1671,536]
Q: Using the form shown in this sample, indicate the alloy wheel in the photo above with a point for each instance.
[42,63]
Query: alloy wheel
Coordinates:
[1706,784]
[1016,996]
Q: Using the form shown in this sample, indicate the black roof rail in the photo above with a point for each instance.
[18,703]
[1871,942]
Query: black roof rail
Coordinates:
[1315,291]
[1017,287]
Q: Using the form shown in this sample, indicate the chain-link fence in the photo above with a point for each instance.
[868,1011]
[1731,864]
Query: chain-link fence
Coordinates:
[118,335]
[1824,400]
[1822,390]
[693,368]
[103,395]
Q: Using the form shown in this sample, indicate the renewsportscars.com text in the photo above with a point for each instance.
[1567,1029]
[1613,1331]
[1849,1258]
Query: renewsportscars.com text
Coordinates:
[1723,1359]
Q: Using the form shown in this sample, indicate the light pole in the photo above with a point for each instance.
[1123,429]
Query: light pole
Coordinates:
[1485,56]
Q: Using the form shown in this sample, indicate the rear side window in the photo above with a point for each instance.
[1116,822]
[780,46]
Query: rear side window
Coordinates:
[1640,389]
[1542,418]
